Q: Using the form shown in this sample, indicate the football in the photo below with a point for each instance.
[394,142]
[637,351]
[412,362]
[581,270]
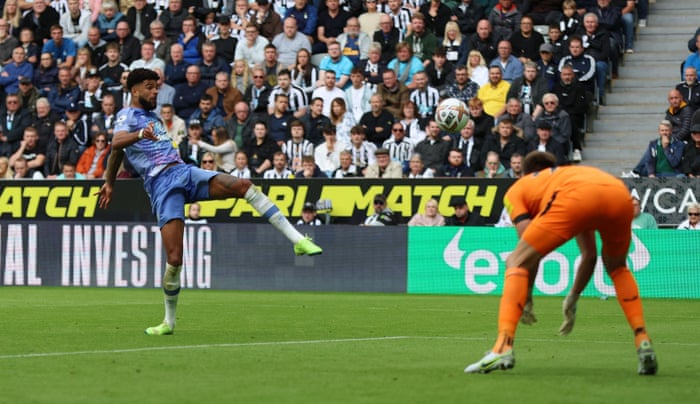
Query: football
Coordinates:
[452,115]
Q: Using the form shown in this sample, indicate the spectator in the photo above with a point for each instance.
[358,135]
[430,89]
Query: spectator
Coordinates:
[357,96]
[328,92]
[224,96]
[28,95]
[546,66]
[148,59]
[130,46]
[6,172]
[278,120]
[13,120]
[111,71]
[560,122]
[95,44]
[413,130]
[331,22]
[484,41]
[224,149]
[433,149]
[44,121]
[174,125]
[17,69]
[353,42]
[387,37]
[279,168]
[693,220]
[83,67]
[189,149]
[483,122]
[189,94]
[77,22]
[362,150]
[469,146]
[21,171]
[297,146]
[346,169]
[455,167]
[529,89]
[309,169]
[544,143]
[241,75]
[40,19]
[207,115]
[573,99]
[327,154]
[476,66]
[399,148]
[104,121]
[596,43]
[453,43]
[140,16]
[241,18]
[31,150]
[584,65]
[377,122]
[511,67]
[642,220]
[258,93]
[339,64]
[680,115]
[570,21]
[467,14]
[296,96]
[224,43]
[431,217]
[690,88]
[664,154]
[691,153]
[493,95]
[526,42]
[241,170]
[416,168]
[191,41]
[266,20]
[393,92]
[193,212]
[493,168]
[60,150]
[462,215]
[289,42]
[382,216]
[62,49]
[404,66]
[505,143]
[172,18]
[166,92]
[522,122]
[516,166]
[306,16]
[107,20]
[32,51]
[373,67]
[505,18]
[400,17]
[422,41]
[383,167]
[260,150]
[315,122]
[92,162]
[13,15]
[463,87]
[78,126]
[341,118]
[369,20]
[304,74]
[308,216]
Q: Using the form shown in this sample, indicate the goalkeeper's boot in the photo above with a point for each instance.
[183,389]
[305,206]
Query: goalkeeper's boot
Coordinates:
[161,329]
[492,361]
[568,307]
[647,359]
[528,317]
[307,247]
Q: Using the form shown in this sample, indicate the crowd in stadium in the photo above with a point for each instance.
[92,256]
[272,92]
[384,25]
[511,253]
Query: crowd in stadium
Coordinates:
[309,88]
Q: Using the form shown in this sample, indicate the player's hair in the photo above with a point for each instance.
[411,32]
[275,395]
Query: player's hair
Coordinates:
[537,161]
[138,76]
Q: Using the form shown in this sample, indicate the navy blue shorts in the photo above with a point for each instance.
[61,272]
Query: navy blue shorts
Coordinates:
[173,188]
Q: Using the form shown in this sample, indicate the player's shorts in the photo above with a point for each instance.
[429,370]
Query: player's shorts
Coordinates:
[606,208]
[174,187]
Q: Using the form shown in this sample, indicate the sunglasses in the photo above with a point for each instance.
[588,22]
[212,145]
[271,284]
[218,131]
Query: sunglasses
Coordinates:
[693,214]
[378,202]
[208,161]
[397,130]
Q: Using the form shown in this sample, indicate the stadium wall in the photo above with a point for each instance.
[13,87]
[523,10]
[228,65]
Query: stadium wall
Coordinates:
[665,198]
[435,260]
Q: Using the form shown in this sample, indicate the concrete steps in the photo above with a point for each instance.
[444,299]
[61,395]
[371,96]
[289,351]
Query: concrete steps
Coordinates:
[638,99]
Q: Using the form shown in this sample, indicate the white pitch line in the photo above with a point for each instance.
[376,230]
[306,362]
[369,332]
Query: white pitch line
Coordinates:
[203,346]
[551,340]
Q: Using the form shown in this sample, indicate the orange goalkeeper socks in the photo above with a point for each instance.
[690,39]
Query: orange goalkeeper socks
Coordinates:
[630,302]
[513,300]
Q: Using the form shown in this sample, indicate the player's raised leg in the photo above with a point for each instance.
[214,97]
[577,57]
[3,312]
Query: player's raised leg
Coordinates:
[225,186]
[172,235]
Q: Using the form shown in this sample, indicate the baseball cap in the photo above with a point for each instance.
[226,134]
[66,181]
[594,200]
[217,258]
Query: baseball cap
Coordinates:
[381,151]
[542,124]
[262,2]
[93,73]
[695,128]
[25,80]
[547,47]
[224,20]
[309,207]
[72,107]
[195,122]
[458,201]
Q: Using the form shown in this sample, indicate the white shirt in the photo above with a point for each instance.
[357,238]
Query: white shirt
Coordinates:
[685,225]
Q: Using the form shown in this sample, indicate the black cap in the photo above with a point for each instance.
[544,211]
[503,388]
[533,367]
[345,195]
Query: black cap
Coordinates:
[224,20]
[25,80]
[195,122]
[72,107]
[309,207]
[93,73]
[458,201]
[695,128]
[262,2]
[542,124]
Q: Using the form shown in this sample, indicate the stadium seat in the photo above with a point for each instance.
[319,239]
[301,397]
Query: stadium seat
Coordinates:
[316,59]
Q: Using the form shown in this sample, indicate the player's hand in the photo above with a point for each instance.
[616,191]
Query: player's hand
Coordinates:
[148,132]
[105,194]
[569,311]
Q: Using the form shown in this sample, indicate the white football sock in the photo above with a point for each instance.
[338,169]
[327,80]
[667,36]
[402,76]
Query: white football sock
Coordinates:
[261,203]
[171,290]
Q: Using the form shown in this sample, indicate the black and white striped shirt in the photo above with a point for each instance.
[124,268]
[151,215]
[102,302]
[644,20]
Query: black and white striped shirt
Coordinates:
[402,19]
[426,100]
[401,151]
[295,151]
[273,174]
[297,97]
[363,155]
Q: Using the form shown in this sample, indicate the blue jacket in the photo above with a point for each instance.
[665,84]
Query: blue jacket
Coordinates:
[306,18]
[673,153]
[61,98]
[14,72]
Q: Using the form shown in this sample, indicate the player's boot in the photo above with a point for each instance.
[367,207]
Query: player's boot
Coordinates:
[647,359]
[492,361]
[568,307]
[160,329]
[307,247]
[528,317]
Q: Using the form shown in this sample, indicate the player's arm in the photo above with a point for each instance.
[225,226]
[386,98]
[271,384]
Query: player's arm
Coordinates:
[124,138]
[521,225]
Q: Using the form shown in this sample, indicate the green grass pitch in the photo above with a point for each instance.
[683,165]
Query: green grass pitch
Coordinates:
[64,345]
